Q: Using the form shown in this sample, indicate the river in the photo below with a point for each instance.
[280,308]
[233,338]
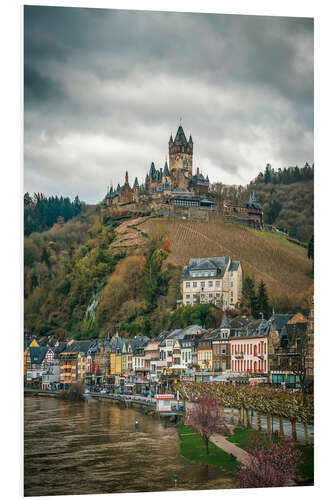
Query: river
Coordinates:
[82,448]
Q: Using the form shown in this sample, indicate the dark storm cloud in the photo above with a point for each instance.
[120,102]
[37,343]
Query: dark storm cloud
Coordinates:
[104,89]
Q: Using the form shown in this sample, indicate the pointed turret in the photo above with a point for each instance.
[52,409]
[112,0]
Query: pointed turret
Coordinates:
[166,172]
[136,183]
[152,170]
[170,140]
[180,136]
[118,188]
[225,322]
[190,140]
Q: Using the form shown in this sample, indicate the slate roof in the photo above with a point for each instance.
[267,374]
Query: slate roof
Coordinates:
[234,265]
[217,263]
[225,322]
[253,202]
[37,354]
[166,172]
[279,320]
[256,328]
[180,136]
[80,346]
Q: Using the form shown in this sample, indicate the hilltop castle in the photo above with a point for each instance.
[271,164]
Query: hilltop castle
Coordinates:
[176,191]
[175,183]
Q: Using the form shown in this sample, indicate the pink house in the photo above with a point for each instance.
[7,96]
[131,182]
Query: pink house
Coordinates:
[249,350]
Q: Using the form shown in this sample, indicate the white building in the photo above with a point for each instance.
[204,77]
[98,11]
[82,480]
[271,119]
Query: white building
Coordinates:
[215,280]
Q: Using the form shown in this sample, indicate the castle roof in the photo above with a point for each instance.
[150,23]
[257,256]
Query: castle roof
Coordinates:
[180,136]
[190,140]
[136,183]
[152,170]
[166,172]
[253,202]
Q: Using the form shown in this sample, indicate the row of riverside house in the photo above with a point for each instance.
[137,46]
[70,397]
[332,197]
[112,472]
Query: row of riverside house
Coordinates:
[240,349]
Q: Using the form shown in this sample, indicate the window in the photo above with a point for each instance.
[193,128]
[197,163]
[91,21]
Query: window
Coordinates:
[210,283]
[188,284]
[231,283]
[194,284]
[251,350]
[202,285]
[210,295]
[187,302]
[202,295]
[188,296]
[218,295]
[217,283]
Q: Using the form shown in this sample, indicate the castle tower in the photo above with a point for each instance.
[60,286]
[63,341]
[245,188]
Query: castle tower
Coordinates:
[179,150]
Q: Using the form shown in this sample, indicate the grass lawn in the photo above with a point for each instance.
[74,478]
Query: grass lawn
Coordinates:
[193,448]
[241,437]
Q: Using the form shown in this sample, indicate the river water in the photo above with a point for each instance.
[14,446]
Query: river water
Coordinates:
[81,448]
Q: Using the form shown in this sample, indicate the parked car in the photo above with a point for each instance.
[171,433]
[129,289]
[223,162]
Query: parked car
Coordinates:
[86,391]
[103,391]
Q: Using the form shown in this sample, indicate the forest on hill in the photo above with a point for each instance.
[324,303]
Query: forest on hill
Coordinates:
[80,281]
[41,213]
[286,196]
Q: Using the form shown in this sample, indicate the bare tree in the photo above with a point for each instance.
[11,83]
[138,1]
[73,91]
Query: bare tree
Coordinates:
[205,418]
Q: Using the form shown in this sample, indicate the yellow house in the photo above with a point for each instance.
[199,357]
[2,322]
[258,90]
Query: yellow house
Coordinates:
[81,366]
[115,359]
[205,355]
[112,363]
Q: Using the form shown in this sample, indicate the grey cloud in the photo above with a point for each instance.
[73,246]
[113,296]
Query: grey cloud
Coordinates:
[105,88]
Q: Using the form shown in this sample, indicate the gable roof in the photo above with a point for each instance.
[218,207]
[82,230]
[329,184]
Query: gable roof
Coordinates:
[37,354]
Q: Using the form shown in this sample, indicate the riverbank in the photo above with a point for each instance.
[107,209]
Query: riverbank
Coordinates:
[193,448]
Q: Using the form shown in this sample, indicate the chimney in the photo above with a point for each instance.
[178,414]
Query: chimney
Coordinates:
[197,170]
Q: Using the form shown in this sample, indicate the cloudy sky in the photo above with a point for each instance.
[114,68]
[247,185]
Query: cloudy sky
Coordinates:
[104,89]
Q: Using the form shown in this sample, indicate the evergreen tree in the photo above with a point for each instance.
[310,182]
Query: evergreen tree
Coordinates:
[249,300]
[263,303]
[267,174]
[271,214]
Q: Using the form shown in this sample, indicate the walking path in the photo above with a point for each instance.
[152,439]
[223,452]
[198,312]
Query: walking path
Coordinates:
[240,454]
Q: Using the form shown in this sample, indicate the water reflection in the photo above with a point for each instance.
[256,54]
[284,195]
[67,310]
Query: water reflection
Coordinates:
[73,448]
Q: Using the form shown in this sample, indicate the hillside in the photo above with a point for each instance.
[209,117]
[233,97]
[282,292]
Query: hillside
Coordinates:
[85,278]
[287,206]
[282,265]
